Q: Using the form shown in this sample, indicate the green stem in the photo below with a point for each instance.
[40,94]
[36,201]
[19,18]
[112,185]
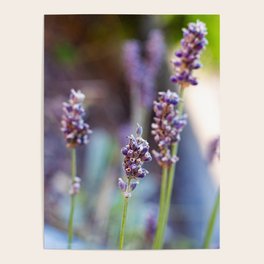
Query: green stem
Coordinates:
[122,232]
[168,198]
[211,223]
[156,243]
[70,224]
[123,224]
[174,151]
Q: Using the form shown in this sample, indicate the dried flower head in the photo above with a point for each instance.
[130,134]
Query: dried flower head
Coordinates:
[167,126]
[76,131]
[188,55]
[136,153]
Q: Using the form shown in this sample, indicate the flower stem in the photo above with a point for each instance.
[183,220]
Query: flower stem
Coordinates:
[174,151]
[123,224]
[156,243]
[122,232]
[70,224]
[211,223]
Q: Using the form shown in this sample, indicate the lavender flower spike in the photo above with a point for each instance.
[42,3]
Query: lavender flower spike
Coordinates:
[155,50]
[141,71]
[167,126]
[136,153]
[188,55]
[76,131]
[132,62]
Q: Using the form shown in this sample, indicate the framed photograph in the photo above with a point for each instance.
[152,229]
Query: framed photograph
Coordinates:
[131,132]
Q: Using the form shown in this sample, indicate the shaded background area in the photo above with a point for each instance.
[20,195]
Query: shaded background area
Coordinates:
[85,52]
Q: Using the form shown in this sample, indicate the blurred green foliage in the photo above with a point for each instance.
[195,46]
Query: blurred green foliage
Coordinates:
[65,53]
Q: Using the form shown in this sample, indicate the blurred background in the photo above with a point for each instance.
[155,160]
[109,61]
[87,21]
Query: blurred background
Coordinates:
[85,52]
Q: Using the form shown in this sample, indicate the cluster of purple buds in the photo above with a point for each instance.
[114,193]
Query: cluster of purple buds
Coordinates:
[188,55]
[76,131]
[167,126]
[75,186]
[141,72]
[136,153]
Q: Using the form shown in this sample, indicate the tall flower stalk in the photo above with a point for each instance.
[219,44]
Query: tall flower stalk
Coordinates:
[76,133]
[136,153]
[167,126]
[169,118]
[211,222]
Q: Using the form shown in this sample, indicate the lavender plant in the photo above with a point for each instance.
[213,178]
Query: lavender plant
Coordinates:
[136,153]
[188,56]
[141,73]
[76,133]
[169,119]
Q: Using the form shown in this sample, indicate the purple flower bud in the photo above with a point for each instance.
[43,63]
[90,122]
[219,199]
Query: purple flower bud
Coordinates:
[122,185]
[178,54]
[130,153]
[141,175]
[134,166]
[139,130]
[177,63]
[192,81]
[147,157]
[124,151]
[133,186]
[173,79]
[196,65]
